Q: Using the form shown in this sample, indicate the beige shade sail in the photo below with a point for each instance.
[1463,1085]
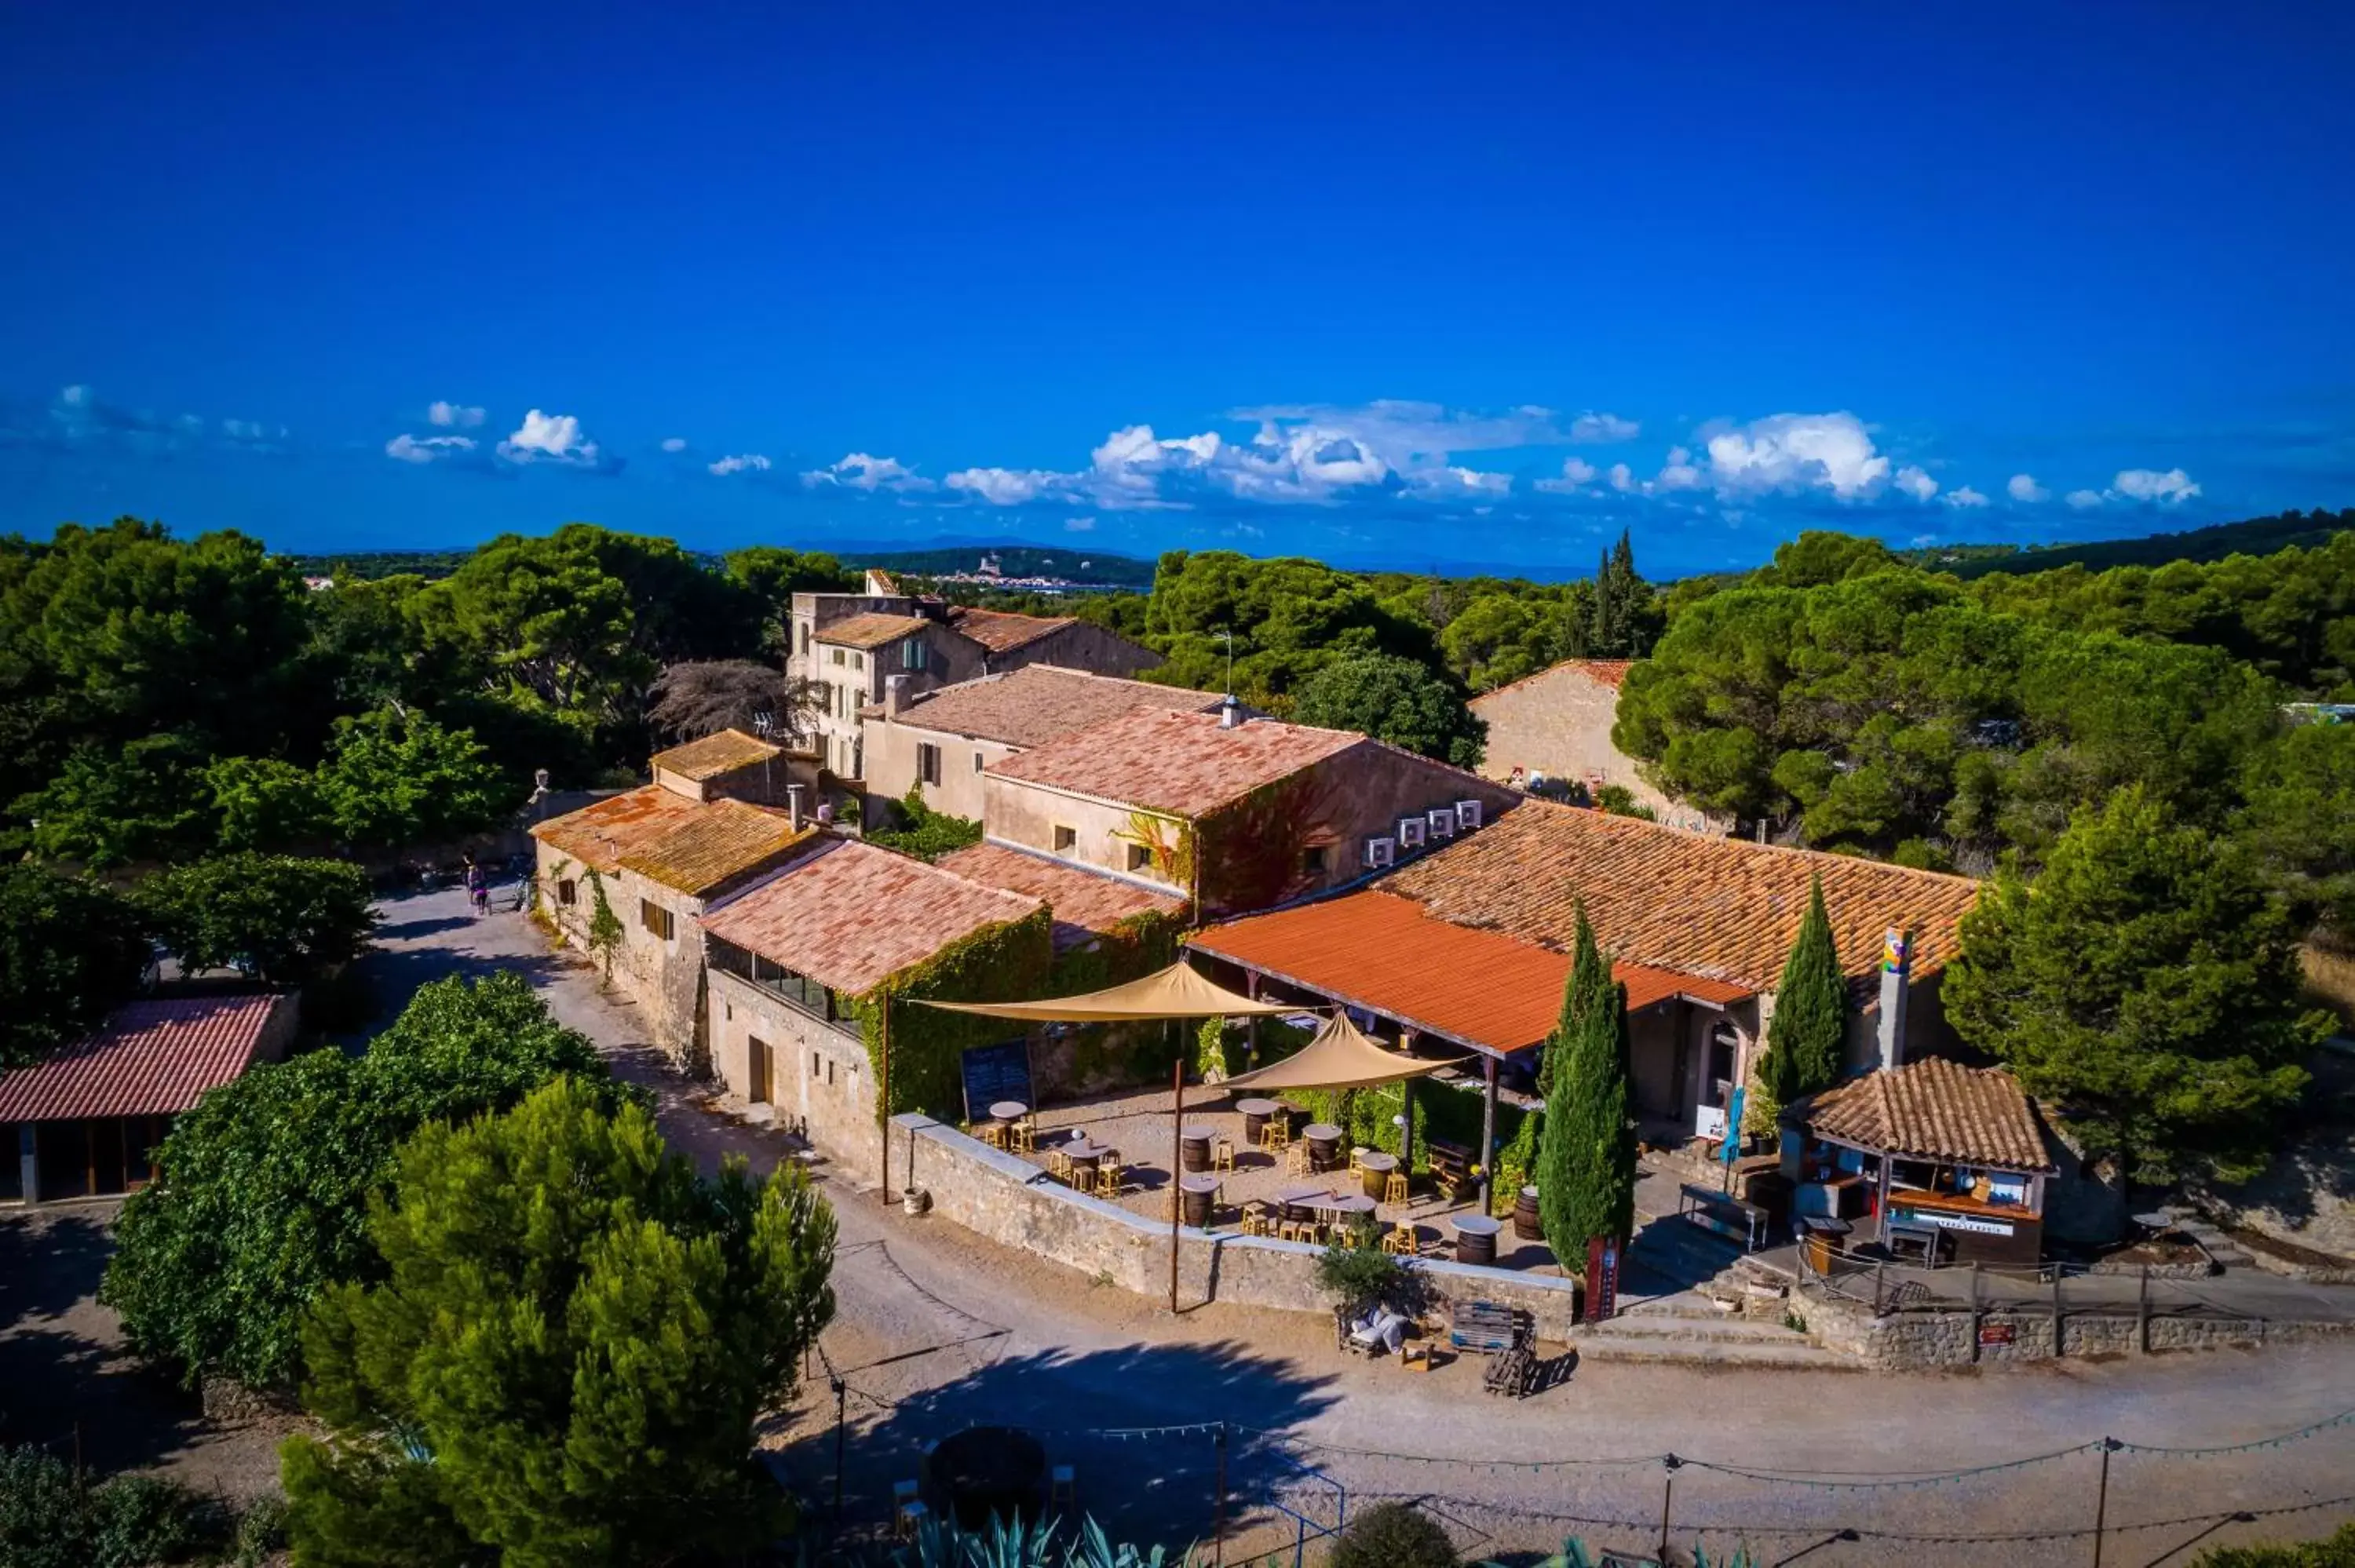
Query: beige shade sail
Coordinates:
[1339,1057]
[1174,992]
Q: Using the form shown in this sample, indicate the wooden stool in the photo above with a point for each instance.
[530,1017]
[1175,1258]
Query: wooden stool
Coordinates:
[1356,1167]
[1296,1160]
[994,1134]
[1394,1190]
[1399,1239]
[1108,1179]
[1276,1135]
[1222,1155]
[1026,1136]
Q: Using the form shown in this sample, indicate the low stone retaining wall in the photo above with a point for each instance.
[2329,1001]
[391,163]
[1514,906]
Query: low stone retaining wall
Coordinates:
[1918,1338]
[1013,1202]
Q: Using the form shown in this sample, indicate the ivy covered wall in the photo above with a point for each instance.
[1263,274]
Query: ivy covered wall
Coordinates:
[1010,962]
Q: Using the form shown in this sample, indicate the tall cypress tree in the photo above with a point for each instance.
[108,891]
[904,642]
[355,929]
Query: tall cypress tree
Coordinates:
[1807,1040]
[1586,1155]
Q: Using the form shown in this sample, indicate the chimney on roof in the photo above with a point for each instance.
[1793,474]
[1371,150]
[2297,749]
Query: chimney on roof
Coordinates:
[793,806]
[1230,712]
[1896,969]
[895,695]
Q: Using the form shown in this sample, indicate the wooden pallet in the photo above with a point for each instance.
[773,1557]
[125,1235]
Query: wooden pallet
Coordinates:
[1489,1328]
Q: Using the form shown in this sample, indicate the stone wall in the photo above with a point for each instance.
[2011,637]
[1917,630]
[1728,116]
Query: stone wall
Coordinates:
[1011,1202]
[665,977]
[1913,1340]
[1080,646]
[820,1082]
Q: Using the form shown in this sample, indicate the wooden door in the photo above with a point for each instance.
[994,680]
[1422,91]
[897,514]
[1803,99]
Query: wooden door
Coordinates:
[765,1070]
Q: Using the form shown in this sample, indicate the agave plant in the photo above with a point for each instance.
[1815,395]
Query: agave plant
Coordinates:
[1025,1544]
[1574,1555]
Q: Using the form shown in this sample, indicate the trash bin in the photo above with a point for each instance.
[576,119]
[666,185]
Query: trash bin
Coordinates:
[1819,1238]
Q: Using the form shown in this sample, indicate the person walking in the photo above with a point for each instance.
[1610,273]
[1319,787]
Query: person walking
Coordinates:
[478,887]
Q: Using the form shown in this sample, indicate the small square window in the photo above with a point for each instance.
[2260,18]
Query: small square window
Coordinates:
[928,762]
[838,657]
[1315,859]
[978,761]
[655,918]
[1066,838]
[568,891]
[858,660]
[1140,857]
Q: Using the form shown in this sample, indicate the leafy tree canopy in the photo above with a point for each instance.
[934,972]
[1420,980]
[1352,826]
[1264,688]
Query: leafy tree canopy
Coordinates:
[1394,699]
[566,1355]
[2147,984]
[927,834]
[2299,819]
[266,1182]
[396,777]
[279,919]
[70,951]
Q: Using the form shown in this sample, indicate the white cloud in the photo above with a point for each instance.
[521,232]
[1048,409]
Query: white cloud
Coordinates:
[1916,482]
[549,438]
[674,443]
[1964,496]
[1678,472]
[1575,472]
[863,471]
[453,415]
[1798,452]
[2085,500]
[1596,429]
[1451,483]
[2023,487]
[2170,489]
[744,463]
[1081,526]
[1007,486]
[1623,478]
[78,396]
[422,450]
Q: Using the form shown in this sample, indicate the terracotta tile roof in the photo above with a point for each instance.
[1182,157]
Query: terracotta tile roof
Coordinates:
[1182,763]
[1933,1109]
[721,752]
[1040,703]
[870,630]
[1002,631]
[1726,908]
[850,914]
[1608,672]
[152,1058]
[1085,902]
[723,841]
[600,835]
[1391,955]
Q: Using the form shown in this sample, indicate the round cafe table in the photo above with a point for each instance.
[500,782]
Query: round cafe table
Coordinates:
[1080,1152]
[1324,1145]
[1194,1145]
[1255,1114]
[1198,1192]
[1009,1110]
[1476,1238]
[1347,1204]
[1377,1167]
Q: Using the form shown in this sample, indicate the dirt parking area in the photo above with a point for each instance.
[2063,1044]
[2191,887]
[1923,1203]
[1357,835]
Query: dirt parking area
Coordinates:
[68,1382]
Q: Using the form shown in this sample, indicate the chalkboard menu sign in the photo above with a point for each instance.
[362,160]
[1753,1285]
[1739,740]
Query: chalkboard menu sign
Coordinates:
[993,1073]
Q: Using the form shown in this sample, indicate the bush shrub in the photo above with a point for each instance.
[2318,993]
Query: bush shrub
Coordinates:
[52,1517]
[1393,1535]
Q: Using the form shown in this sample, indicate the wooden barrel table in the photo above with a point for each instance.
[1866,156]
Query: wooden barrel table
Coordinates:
[1198,1192]
[1194,1145]
[1528,1224]
[1476,1238]
[1324,1141]
[1376,1167]
[1255,1114]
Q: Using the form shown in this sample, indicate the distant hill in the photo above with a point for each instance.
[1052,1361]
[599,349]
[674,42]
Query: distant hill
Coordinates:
[1096,568]
[2257,537]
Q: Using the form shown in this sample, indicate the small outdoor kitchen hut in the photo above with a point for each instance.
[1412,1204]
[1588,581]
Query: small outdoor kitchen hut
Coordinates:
[1932,1158]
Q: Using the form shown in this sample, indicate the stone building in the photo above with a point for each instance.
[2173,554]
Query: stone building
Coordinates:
[944,738]
[790,954]
[852,644]
[1469,946]
[1557,723]
[1228,812]
[657,855]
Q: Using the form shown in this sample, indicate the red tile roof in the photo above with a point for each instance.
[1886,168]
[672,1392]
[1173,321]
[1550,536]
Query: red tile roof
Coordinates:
[1040,703]
[1699,904]
[1085,902]
[723,751]
[1608,672]
[601,834]
[871,629]
[1390,954]
[720,843]
[1002,631]
[152,1058]
[851,915]
[1181,763]
[1933,1109]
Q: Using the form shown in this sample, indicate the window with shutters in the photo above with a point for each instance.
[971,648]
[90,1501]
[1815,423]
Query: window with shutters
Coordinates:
[928,762]
[655,918]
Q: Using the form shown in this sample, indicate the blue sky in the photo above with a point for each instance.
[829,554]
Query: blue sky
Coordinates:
[1387,285]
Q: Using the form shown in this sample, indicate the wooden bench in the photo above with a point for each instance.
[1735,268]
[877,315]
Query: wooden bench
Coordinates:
[1451,1166]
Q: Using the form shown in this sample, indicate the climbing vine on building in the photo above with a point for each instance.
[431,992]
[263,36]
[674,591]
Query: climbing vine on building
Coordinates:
[604,926]
[1167,842]
[1258,844]
[1008,962]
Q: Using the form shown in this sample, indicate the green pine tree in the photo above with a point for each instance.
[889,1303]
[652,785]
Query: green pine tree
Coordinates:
[1807,1040]
[1586,1152]
[564,1363]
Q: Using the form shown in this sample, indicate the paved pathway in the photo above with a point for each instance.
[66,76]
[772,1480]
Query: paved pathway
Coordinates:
[936,1330]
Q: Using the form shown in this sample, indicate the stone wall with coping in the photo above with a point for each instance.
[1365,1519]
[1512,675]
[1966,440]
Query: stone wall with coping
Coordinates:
[1011,1202]
[820,1083]
[1910,1341]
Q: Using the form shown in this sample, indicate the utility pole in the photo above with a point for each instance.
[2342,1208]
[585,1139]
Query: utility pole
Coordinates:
[1177,1166]
[2102,1499]
[1219,1528]
[1667,1496]
[841,1405]
[884,1088]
